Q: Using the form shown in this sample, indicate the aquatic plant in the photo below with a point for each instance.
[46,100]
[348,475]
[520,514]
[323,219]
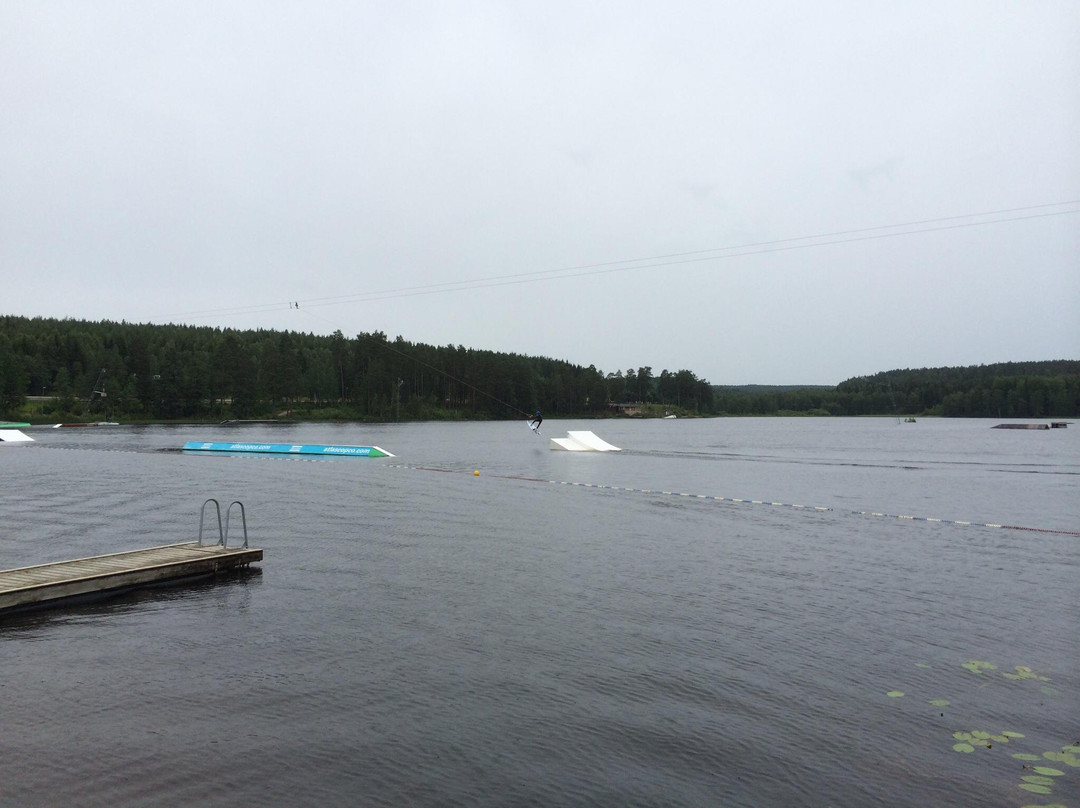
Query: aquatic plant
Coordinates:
[1036,777]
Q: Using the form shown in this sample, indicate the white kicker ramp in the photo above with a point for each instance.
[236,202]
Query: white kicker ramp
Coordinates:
[14,436]
[583,441]
[569,444]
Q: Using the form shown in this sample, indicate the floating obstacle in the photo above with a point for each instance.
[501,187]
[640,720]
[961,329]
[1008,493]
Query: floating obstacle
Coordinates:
[89,424]
[583,441]
[9,435]
[1021,426]
[324,450]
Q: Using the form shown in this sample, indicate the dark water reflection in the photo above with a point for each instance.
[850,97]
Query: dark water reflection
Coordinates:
[420,635]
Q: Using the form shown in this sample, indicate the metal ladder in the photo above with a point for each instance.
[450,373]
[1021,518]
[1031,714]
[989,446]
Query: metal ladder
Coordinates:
[223,534]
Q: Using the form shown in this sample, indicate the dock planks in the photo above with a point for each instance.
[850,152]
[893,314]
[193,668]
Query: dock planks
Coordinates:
[49,584]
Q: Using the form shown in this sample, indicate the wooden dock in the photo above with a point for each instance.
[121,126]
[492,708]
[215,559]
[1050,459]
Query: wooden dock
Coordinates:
[52,584]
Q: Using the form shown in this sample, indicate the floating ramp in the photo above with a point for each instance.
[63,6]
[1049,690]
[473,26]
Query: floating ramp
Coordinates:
[8,435]
[80,424]
[325,450]
[583,441]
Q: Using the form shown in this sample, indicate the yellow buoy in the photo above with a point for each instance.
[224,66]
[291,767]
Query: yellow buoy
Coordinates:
[476,473]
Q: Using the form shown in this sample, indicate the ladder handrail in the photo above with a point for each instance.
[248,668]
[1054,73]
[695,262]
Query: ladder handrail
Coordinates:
[221,533]
[243,519]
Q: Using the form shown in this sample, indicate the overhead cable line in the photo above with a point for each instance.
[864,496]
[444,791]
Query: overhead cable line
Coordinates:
[609,268]
[665,260]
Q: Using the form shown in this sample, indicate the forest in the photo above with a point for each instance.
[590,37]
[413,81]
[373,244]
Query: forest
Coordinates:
[108,371]
[1002,390]
[75,370]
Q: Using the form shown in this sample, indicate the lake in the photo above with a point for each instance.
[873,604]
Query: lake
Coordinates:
[561,629]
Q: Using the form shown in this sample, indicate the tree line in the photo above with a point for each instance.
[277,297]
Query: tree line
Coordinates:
[1002,390]
[176,372]
[107,370]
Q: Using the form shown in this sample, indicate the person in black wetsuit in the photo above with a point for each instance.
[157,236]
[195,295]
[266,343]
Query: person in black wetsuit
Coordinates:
[537,420]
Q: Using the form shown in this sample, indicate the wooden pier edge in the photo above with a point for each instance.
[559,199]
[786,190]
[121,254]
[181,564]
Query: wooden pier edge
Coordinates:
[62,582]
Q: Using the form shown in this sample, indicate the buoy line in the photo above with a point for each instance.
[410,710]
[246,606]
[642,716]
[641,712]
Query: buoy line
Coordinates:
[601,487]
[740,501]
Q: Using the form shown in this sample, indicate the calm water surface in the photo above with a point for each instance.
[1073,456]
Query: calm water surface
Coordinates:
[420,635]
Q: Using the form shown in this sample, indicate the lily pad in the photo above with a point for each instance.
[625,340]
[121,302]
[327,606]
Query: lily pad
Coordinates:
[1068,758]
[1024,672]
[1037,789]
[1047,771]
[921,665]
[1010,734]
[966,748]
[895,694]
[939,702]
[1038,780]
[979,735]
[1026,756]
[1048,691]
[966,736]
[978,666]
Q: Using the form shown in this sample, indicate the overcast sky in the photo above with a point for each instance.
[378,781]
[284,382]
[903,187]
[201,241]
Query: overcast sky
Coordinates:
[611,183]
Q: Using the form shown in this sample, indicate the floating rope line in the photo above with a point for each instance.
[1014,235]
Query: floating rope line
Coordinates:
[765,502]
[964,523]
[650,491]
